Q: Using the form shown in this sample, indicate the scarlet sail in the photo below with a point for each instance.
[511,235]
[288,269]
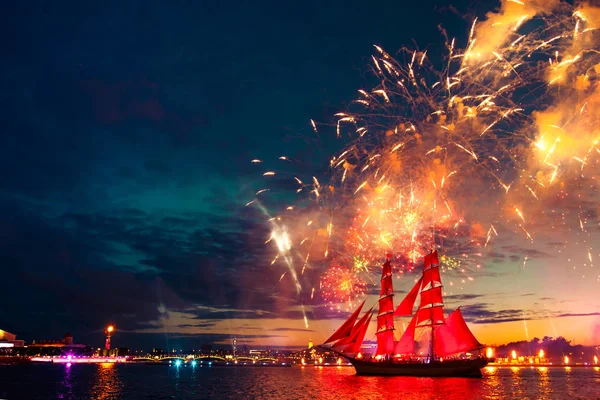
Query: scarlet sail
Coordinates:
[405,308]
[448,335]
[406,344]
[431,272]
[432,298]
[454,336]
[385,318]
[429,316]
[354,346]
[430,309]
[356,330]
[346,328]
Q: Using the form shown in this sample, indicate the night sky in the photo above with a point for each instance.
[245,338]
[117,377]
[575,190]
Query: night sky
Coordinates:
[128,130]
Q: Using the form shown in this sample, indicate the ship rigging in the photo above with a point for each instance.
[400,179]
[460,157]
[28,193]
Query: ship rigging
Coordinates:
[449,336]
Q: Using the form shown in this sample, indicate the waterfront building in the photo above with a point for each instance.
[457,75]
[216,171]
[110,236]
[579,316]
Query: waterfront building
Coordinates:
[9,340]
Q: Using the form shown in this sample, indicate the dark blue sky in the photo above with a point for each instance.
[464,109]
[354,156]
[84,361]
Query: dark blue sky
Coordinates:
[127,133]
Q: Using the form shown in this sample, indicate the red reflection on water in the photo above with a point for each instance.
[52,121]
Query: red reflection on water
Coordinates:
[349,385]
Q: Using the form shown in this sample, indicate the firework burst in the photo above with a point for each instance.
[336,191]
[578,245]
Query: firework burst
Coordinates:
[446,157]
[341,285]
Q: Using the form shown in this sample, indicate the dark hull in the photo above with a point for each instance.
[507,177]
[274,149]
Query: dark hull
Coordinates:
[450,368]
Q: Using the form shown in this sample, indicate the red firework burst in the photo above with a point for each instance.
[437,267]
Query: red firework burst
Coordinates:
[341,284]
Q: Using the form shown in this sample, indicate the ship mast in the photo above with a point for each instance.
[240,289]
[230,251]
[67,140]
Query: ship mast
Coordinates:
[448,335]
[434,253]
[385,317]
[432,346]
[431,298]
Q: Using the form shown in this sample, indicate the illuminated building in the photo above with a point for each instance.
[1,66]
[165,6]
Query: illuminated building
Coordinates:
[66,341]
[9,340]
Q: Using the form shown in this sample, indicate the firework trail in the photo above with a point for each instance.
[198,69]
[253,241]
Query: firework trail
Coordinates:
[445,158]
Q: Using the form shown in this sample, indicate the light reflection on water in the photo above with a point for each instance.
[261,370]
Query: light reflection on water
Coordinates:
[107,383]
[110,381]
[65,390]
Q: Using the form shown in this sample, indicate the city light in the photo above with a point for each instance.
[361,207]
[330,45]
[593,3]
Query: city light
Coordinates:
[595,360]
[489,352]
[177,363]
[566,359]
[513,355]
[193,363]
[541,354]
[110,329]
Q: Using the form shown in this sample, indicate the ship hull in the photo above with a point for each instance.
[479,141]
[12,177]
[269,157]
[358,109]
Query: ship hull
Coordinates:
[450,368]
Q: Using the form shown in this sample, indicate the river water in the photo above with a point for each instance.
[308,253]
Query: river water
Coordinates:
[127,381]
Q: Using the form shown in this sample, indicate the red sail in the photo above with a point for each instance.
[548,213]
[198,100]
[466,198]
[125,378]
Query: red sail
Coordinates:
[355,331]
[406,344]
[386,304]
[430,309]
[430,259]
[386,279]
[405,308]
[431,278]
[431,298]
[385,342]
[429,316]
[454,336]
[385,321]
[346,327]
[348,339]
[431,272]
[385,318]
[354,347]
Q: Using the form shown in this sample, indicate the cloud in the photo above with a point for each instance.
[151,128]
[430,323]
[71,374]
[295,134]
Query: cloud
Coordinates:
[576,314]
[461,297]
[479,313]
[495,256]
[129,268]
[520,252]
[291,330]
[199,325]
[193,341]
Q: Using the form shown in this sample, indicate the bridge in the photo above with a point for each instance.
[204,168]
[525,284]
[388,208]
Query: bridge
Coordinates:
[202,358]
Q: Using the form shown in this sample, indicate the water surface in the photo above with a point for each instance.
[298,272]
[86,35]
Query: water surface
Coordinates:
[126,381]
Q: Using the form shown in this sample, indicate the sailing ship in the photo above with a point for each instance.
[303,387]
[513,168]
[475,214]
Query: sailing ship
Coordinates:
[452,346]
